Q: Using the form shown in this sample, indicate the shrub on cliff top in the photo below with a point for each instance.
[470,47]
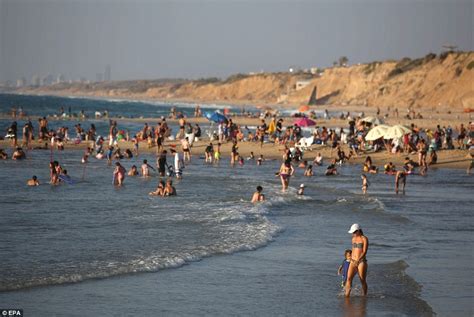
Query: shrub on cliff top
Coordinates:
[470,65]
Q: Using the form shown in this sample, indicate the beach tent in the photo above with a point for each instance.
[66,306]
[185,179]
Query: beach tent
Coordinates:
[396,132]
[377,132]
[216,117]
[304,122]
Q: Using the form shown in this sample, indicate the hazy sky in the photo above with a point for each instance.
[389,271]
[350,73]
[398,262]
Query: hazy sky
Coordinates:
[156,39]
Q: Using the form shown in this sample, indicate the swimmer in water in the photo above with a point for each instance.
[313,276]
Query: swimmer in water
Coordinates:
[145,169]
[258,196]
[169,188]
[260,160]
[33,181]
[286,171]
[365,184]
[309,171]
[160,190]
[3,154]
[133,171]
[301,190]
[400,180]
[119,174]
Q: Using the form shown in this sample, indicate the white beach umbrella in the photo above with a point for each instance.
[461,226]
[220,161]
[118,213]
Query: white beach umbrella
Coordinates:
[372,120]
[377,132]
[396,132]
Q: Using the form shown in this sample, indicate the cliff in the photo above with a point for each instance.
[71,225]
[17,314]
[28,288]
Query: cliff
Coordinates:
[444,81]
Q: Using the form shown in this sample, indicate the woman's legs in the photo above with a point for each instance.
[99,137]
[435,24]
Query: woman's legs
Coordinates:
[350,276]
[362,270]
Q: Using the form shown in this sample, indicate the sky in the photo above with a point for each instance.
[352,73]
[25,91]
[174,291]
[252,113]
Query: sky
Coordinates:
[194,39]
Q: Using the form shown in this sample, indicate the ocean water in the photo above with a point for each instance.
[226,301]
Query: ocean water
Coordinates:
[92,248]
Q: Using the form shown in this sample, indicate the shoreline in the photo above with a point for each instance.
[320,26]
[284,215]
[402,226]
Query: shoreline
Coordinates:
[456,159]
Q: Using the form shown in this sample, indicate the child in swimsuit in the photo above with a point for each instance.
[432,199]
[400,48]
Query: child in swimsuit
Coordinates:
[344,267]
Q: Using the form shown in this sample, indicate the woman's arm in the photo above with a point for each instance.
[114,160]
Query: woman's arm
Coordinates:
[365,248]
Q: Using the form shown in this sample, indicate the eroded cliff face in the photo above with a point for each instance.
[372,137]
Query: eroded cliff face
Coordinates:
[432,81]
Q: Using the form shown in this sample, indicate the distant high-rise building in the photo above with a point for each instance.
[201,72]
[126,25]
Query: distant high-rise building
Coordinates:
[99,77]
[35,81]
[107,73]
[60,79]
[21,82]
[47,80]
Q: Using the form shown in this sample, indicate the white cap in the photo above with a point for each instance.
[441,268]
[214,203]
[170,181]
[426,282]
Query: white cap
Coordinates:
[354,228]
[302,185]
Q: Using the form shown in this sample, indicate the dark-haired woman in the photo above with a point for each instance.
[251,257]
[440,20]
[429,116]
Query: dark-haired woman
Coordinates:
[360,245]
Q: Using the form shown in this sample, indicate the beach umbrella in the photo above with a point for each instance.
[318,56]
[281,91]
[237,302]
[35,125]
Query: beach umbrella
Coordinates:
[216,117]
[396,132]
[303,108]
[377,132]
[305,122]
[372,120]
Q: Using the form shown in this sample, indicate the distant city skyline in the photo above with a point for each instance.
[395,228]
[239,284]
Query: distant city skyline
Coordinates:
[192,39]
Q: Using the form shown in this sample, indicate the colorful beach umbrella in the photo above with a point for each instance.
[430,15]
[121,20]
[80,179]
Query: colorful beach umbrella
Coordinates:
[303,108]
[216,117]
[304,122]
[396,132]
[377,132]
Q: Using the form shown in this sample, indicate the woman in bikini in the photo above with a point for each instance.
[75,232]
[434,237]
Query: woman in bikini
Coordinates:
[286,171]
[360,245]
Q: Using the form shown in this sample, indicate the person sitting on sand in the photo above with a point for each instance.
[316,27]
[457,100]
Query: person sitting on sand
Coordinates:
[19,154]
[33,181]
[331,169]
[160,190]
[400,180]
[258,196]
[309,171]
[133,171]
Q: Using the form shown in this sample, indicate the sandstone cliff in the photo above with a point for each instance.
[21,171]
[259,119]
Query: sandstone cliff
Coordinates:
[433,81]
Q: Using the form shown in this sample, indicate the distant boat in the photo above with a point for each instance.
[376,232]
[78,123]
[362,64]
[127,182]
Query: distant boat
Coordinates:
[312,99]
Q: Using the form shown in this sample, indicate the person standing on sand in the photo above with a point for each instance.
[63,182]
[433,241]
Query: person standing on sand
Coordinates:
[360,246]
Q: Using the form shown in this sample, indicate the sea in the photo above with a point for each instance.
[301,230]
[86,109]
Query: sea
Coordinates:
[90,248]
